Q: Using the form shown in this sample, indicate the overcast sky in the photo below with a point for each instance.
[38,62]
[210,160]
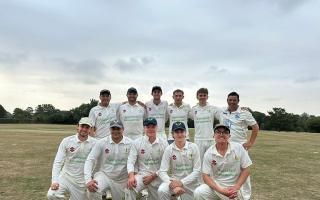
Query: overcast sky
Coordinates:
[64,52]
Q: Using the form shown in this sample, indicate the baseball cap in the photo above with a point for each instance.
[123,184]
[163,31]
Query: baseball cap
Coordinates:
[220,126]
[116,124]
[156,88]
[85,120]
[149,121]
[104,91]
[178,126]
[132,90]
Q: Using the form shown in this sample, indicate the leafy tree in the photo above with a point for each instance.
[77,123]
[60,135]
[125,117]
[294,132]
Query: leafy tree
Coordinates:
[314,124]
[3,112]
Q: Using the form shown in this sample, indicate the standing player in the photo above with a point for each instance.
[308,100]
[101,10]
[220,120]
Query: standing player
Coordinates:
[178,111]
[238,121]
[113,152]
[146,152]
[131,114]
[225,168]
[102,114]
[182,158]
[158,109]
[67,170]
[204,115]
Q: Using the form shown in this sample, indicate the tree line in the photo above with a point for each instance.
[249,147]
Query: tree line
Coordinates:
[278,119]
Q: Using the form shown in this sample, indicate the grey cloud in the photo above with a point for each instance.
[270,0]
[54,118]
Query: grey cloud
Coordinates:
[12,58]
[307,79]
[133,63]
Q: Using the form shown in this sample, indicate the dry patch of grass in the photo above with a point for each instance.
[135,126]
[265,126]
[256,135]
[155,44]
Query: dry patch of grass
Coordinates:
[285,164]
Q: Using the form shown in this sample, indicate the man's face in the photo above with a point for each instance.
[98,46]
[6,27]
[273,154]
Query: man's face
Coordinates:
[177,97]
[156,94]
[179,135]
[105,99]
[232,101]
[221,135]
[132,96]
[83,130]
[116,133]
[150,130]
[202,97]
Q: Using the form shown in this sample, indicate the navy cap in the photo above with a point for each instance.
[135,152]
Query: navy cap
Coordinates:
[150,121]
[116,124]
[178,126]
[132,90]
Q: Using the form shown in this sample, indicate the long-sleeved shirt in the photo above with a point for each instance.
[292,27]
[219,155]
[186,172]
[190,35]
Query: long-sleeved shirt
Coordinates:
[160,113]
[132,117]
[238,122]
[185,164]
[70,158]
[146,155]
[112,156]
[101,117]
[225,170]
[203,117]
[179,114]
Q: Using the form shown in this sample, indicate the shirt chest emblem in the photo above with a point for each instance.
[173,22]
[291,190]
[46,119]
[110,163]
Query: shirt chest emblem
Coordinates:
[72,149]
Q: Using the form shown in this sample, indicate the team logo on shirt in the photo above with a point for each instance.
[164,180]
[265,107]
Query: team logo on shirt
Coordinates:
[107,150]
[99,114]
[213,163]
[143,151]
[124,111]
[174,157]
[171,111]
[149,109]
[72,149]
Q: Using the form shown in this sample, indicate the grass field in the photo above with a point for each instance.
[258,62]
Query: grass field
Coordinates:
[286,165]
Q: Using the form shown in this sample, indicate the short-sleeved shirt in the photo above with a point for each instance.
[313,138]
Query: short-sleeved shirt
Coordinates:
[179,114]
[160,113]
[238,122]
[101,117]
[203,117]
[132,117]
[225,170]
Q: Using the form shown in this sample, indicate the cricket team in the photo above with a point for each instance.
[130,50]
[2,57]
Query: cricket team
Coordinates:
[123,148]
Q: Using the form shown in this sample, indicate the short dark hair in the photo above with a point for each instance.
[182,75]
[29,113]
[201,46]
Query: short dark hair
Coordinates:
[105,92]
[154,88]
[234,94]
[178,90]
[202,90]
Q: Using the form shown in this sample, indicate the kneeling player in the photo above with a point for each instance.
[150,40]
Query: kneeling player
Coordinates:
[67,171]
[225,168]
[183,158]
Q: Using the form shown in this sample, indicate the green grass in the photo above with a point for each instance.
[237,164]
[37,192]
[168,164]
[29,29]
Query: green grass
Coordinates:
[285,164]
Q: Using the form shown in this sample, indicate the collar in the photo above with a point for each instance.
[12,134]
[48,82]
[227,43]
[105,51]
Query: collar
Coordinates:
[215,151]
[146,138]
[186,146]
[123,141]
[79,141]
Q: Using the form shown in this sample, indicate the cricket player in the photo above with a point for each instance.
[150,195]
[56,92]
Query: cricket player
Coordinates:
[178,111]
[67,170]
[204,116]
[183,159]
[225,168]
[113,152]
[157,108]
[102,114]
[147,152]
[238,120]
[131,114]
